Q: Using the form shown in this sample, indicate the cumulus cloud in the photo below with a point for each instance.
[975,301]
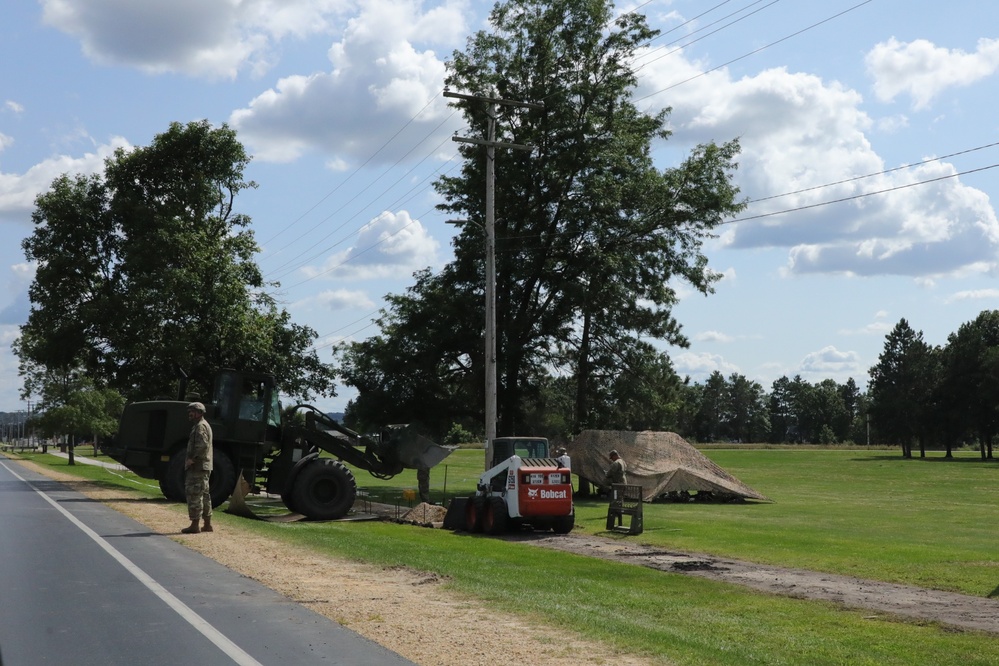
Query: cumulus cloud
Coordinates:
[13,107]
[391,245]
[923,70]
[799,134]
[18,191]
[700,365]
[210,39]
[830,362]
[379,81]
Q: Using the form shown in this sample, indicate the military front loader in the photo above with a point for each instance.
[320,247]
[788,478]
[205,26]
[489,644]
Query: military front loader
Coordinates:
[271,451]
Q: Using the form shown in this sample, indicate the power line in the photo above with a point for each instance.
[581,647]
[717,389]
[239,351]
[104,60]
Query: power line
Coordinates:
[352,174]
[694,41]
[286,267]
[860,196]
[755,51]
[871,175]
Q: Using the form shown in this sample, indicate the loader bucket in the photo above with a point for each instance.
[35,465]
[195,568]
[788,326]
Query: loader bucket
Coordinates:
[238,506]
[237,502]
[414,451]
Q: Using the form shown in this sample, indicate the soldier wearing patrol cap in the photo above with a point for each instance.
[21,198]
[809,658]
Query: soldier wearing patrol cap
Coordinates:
[618,470]
[198,471]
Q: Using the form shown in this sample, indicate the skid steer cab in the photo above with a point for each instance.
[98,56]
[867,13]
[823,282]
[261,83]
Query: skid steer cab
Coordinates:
[523,485]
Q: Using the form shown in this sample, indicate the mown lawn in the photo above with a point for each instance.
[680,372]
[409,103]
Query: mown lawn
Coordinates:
[859,512]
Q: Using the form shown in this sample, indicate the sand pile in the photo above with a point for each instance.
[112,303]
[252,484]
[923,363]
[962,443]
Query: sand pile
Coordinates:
[427,515]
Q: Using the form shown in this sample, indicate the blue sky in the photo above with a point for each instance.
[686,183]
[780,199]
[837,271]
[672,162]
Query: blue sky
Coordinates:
[886,106]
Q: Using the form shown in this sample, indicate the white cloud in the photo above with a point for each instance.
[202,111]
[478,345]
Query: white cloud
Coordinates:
[212,39]
[829,362]
[379,82]
[338,299]
[391,245]
[13,107]
[700,365]
[713,336]
[923,70]
[799,134]
[974,295]
[874,328]
[18,191]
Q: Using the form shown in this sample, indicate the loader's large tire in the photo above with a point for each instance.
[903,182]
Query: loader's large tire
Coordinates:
[474,514]
[223,479]
[495,517]
[324,490]
[172,481]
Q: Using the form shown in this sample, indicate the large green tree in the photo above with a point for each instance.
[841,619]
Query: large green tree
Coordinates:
[901,387]
[970,379]
[591,237]
[148,267]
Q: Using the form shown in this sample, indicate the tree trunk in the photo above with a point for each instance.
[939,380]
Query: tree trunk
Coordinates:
[583,379]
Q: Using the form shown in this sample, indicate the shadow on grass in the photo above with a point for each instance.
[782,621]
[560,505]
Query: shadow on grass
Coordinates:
[939,458]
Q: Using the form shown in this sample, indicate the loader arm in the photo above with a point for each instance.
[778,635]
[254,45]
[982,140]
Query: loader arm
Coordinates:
[399,447]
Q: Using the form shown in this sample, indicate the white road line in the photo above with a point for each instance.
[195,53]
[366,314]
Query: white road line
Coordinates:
[207,630]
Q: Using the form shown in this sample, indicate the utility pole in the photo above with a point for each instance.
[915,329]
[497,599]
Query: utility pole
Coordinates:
[491,144]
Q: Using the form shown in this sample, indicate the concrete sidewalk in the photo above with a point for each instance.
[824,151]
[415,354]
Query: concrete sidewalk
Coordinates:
[90,461]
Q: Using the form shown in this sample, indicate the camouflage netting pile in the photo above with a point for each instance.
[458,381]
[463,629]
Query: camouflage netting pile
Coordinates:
[663,463]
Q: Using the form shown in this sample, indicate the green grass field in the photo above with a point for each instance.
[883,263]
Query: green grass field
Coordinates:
[859,512]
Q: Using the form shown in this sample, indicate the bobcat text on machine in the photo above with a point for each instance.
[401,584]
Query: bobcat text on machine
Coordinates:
[269,450]
[522,485]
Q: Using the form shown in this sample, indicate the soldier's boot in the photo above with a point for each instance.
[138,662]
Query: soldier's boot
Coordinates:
[193,528]
[207,527]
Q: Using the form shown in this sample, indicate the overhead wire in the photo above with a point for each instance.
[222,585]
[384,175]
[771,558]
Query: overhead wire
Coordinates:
[755,51]
[645,55]
[284,268]
[352,174]
[861,196]
[877,173]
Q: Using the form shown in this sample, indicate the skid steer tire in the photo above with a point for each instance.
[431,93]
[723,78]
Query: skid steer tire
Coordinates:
[564,524]
[223,479]
[172,481]
[474,510]
[324,490]
[496,516]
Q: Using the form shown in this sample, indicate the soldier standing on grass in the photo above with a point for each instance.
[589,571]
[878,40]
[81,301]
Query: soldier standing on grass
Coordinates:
[199,470]
[618,470]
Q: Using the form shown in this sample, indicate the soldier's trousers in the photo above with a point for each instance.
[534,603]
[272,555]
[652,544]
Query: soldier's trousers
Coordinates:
[199,499]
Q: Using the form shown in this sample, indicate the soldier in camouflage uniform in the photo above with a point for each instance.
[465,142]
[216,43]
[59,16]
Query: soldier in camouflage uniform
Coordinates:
[618,470]
[199,469]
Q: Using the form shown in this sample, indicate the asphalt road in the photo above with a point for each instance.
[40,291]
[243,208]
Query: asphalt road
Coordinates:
[82,584]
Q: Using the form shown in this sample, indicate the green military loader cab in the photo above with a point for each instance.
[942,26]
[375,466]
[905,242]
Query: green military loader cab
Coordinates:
[251,440]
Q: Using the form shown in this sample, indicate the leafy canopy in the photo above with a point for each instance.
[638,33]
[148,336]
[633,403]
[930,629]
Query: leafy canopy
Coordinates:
[148,266]
[591,237]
